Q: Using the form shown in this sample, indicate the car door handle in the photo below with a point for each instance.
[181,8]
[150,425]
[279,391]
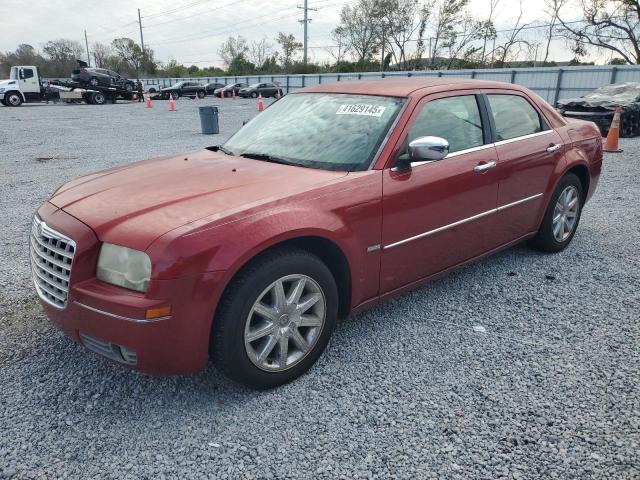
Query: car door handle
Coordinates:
[483,167]
[554,148]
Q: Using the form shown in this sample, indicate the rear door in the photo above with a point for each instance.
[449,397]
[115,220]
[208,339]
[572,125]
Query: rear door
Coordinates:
[528,152]
[437,214]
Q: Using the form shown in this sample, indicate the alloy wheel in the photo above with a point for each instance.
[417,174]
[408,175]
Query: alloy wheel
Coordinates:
[285,322]
[565,213]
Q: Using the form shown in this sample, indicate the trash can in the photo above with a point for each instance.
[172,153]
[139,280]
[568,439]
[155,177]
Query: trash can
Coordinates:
[209,120]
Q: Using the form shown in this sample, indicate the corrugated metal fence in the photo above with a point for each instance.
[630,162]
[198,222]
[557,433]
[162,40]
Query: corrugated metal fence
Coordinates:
[551,84]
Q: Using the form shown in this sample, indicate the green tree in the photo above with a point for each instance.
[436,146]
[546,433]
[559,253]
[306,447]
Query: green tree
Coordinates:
[289,46]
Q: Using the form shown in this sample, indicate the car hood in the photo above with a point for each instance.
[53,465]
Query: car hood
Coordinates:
[135,204]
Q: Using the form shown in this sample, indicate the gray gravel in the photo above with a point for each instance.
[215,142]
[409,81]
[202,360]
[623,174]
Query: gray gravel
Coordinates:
[406,390]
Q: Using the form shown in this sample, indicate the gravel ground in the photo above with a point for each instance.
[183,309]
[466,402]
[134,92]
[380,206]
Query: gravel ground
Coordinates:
[547,388]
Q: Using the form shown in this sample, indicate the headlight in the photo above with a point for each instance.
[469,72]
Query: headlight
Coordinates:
[124,267]
[2,90]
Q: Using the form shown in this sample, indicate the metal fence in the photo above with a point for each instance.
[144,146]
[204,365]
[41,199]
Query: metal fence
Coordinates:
[551,83]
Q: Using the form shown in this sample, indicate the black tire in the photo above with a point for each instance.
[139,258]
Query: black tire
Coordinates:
[201,94]
[13,99]
[254,95]
[98,98]
[545,239]
[94,82]
[128,87]
[227,337]
[630,124]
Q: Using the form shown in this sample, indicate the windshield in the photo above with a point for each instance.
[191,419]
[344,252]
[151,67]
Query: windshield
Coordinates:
[326,131]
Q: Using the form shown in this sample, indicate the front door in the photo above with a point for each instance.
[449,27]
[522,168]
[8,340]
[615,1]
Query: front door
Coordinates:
[29,80]
[437,214]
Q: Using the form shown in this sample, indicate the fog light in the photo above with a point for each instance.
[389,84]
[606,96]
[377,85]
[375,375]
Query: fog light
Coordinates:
[129,355]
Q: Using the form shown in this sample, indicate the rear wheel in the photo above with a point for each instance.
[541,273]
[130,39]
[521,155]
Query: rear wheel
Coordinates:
[98,98]
[275,319]
[254,95]
[561,219]
[201,94]
[13,99]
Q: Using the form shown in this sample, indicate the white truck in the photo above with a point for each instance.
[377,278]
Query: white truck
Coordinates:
[25,85]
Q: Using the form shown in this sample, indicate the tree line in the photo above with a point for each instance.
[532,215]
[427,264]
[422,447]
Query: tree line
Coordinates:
[383,35]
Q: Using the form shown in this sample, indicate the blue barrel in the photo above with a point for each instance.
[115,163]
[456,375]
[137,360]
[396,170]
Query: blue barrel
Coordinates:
[209,120]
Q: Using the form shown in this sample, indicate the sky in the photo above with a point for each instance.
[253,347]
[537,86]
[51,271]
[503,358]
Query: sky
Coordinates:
[191,31]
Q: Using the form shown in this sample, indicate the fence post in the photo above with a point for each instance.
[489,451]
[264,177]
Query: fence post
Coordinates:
[614,74]
[439,73]
[473,74]
[409,74]
[513,76]
[338,77]
[319,79]
[359,76]
[556,95]
[302,81]
[287,84]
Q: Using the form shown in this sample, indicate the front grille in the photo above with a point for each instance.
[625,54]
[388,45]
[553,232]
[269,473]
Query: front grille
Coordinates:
[110,350]
[51,259]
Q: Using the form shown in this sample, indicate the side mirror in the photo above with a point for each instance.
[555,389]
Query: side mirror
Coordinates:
[428,148]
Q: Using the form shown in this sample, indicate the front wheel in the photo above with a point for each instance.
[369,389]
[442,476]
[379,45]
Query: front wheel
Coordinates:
[561,219]
[201,94]
[275,319]
[254,95]
[13,99]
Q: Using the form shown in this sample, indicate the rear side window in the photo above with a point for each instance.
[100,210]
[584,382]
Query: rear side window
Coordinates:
[514,117]
[456,119]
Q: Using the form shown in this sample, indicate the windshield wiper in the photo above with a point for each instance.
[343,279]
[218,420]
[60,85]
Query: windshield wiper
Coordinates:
[224,150]
[268,158]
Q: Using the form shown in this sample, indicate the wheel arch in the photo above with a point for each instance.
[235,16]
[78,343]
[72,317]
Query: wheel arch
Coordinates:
[328,251]
[19,92]
[582,172]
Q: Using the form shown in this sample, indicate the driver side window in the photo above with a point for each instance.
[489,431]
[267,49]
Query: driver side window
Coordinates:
[456,119]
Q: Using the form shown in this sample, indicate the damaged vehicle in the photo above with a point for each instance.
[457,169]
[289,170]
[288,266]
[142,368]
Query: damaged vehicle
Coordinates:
[598,107]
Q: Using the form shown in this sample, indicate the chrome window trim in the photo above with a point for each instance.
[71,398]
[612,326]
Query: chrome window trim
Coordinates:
[120,317]
[523,137]
[460,222]
[390,131]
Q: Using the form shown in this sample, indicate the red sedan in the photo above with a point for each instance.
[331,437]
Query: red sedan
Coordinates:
[333,199]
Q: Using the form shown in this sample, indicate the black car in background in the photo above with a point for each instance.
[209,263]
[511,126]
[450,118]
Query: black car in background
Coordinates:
[210,88]
[264,89]
[228,90]
[183,89]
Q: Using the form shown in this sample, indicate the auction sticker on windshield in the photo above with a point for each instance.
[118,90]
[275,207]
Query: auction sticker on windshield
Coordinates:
[361,109]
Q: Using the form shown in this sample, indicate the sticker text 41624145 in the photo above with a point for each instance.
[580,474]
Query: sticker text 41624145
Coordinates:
[361,109]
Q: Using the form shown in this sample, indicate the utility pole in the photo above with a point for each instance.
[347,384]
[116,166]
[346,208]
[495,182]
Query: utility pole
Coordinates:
[86,43]
[141,38]
[306,29]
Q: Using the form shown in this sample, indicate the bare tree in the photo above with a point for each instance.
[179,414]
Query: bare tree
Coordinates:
[101,53]
[448,16]
[461,43]
[552,10]
[401,20]
[488,28]
[341,48]
[233,48]
[361,26]
[612,25]
[62,54]
[513,41]
[260,51]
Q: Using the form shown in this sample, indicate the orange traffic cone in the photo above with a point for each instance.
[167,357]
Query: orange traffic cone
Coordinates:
[134,97]
[260,103]
[233,94]
[222,96]
[172,103]
[149,105]
[611,145]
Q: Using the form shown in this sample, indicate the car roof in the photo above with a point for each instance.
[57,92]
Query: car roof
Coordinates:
[404,87]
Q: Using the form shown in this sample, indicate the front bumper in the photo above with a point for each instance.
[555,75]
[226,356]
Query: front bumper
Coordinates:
[112,321]
[1,96]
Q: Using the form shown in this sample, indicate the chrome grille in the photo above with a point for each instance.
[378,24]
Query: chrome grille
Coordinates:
[51,259]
